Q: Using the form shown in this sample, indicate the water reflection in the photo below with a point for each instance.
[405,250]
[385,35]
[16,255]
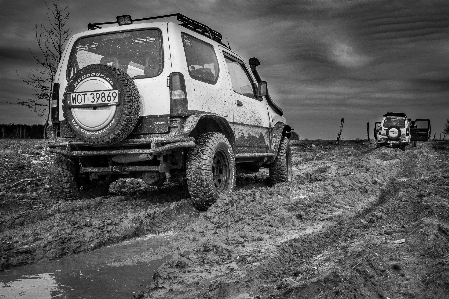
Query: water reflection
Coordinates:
[30,287]
[111,272]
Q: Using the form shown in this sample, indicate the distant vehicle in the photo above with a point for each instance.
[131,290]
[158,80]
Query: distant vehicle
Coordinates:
[396,130]
[393,130]
[162,98]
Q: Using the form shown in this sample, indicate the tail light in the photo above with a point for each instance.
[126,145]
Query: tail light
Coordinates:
[178,95]
[55,103]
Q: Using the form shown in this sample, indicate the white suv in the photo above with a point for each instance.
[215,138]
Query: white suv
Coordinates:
[393,130]
[158,98]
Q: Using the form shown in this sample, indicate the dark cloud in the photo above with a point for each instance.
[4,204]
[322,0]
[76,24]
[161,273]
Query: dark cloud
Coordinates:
[8,53]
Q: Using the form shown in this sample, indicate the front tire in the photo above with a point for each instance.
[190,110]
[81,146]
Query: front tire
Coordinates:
[281,168]
[210,170]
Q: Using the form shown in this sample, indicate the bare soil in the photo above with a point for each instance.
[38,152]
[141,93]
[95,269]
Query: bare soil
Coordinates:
[355,222]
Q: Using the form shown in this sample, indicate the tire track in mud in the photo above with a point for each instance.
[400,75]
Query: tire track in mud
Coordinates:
[350,258]
[310,251]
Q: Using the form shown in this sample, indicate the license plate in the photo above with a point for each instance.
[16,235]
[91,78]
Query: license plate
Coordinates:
[94,98]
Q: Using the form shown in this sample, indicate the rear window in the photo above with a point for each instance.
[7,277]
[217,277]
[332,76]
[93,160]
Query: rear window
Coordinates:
[394,122]
[201,59]
[138,53]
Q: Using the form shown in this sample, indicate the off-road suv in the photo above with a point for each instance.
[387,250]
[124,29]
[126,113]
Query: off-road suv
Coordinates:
[396,130]
[162,98]
[393,130]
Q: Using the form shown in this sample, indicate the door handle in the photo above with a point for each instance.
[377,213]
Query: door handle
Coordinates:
[239,103]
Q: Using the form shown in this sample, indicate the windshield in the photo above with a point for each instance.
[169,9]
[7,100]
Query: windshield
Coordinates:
[391,121]
[138,53]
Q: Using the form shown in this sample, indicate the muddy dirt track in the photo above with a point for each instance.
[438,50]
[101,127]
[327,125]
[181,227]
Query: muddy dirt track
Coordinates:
[355,222]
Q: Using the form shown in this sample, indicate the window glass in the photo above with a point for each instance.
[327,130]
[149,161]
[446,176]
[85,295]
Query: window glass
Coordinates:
[422,124]
[241,82]
[201,59]
[394,121]
[137,53]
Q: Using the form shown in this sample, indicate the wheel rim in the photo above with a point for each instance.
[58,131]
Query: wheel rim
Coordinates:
[220,171]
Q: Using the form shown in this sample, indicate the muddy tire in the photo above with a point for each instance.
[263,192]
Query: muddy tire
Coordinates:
[210,170]
[63,182]
[107,124]
[281,169]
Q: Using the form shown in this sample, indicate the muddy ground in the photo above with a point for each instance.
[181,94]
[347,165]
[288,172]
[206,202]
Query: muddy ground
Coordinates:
[355,222]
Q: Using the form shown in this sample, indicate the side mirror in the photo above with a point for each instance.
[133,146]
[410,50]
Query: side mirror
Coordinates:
[253,62]
[262,89]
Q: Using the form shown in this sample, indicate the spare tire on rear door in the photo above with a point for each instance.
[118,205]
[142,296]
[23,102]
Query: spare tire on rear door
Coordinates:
[101,104]
[394,133]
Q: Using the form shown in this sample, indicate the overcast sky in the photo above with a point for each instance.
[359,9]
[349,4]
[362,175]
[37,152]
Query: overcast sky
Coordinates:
[323,59]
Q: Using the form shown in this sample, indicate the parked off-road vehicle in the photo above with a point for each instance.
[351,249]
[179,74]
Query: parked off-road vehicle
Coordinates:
[396,130]
[393,130]
[162,98]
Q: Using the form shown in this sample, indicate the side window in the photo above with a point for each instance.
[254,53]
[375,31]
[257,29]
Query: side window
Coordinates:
[241,82]
[201,59]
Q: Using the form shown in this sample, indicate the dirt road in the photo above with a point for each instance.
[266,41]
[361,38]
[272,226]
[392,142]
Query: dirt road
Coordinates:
[356,222]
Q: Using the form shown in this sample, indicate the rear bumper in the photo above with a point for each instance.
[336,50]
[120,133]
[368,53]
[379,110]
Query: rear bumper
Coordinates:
[392,143]
[149,146]
[388,141]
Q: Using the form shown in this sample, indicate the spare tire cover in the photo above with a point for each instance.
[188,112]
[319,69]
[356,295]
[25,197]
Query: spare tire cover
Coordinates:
[394,133]
[103,122]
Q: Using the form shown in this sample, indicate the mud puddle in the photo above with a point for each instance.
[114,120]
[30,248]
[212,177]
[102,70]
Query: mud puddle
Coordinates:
[109,272]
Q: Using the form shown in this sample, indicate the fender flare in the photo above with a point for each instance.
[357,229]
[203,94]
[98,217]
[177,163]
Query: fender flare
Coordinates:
[208,122]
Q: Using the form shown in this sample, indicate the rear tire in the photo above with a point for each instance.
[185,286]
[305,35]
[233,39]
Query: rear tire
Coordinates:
[210,170]
[64,184]
[281,168]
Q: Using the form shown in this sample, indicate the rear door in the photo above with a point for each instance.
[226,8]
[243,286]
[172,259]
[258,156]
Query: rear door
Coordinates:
[376,129]
[420,130]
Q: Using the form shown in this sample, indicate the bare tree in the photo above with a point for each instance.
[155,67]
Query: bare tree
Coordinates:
[50,39]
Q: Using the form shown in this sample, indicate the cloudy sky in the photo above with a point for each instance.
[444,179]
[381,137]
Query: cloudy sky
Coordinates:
[323,59]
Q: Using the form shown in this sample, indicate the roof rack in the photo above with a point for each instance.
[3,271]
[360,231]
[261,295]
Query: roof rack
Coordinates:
[399,114]
[185,22]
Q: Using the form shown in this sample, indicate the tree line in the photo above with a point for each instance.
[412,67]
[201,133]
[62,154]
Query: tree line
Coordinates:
[16,131]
